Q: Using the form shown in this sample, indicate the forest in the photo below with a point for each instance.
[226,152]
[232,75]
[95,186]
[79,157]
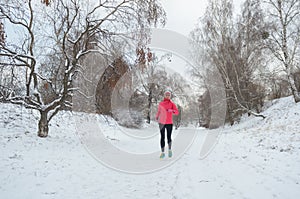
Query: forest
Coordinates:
[94,57]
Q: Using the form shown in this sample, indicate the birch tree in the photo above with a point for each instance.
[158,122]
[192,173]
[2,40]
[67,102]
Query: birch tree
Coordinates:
[284,40]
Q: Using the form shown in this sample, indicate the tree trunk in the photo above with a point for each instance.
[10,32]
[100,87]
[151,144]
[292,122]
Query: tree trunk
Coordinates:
[43,125]
[294,89]
[296,96]
[149,109]
[151,87]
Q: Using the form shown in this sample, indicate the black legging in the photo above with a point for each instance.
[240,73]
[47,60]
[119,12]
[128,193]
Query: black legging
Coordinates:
[162,128]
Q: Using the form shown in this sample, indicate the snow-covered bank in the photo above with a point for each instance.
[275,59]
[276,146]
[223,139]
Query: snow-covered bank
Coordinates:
[254,159]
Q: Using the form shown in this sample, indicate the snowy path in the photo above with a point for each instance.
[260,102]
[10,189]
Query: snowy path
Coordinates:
[105,151]
[255,159]
[70,172]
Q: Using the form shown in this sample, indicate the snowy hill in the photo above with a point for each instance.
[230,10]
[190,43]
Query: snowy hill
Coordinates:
[257,158]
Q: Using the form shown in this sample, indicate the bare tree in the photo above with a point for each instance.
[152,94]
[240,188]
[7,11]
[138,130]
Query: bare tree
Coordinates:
[233,50]
[284,39]
[2,43]
[76,29]
[248,55]
[150,75]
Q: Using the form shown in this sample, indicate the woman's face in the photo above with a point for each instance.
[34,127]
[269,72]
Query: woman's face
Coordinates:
[167,95]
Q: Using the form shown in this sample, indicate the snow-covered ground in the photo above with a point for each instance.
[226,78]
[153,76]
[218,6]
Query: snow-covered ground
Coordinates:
[254,159]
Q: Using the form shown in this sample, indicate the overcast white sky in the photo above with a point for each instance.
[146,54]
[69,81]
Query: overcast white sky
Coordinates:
[182,15]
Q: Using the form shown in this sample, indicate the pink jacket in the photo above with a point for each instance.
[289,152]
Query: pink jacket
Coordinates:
[165,111]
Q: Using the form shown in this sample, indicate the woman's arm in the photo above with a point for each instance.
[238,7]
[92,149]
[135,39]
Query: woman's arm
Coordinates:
[158,112]
[175,110]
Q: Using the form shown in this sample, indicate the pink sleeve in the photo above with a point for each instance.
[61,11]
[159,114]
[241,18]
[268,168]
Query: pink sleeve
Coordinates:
[176,112]
[158,112]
